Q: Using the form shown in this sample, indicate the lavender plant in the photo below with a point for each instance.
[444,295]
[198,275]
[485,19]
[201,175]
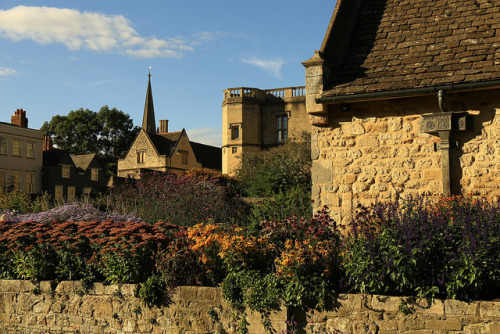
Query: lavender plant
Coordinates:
[446,249]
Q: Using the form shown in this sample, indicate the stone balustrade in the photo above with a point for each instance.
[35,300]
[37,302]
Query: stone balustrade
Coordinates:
[281,93]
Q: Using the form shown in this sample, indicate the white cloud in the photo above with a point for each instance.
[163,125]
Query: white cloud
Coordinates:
[273,67]
[5,71]
[207,136]
[92,31]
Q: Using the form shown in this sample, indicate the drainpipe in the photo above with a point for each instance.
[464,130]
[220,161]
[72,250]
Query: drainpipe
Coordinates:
[444,124]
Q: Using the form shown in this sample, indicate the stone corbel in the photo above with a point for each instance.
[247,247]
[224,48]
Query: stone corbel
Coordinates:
[444,124]
[315,71]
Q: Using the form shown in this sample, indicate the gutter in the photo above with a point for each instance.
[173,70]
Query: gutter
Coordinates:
[391,94]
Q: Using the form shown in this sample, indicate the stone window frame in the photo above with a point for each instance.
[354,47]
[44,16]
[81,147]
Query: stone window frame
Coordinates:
[141,156]
[65,171]
[184,156]
[16,148]
[235,130]
[282,127]
[3,145]
[30,182]
[71,193]
[234,149]
[94,174]
[30,150]
[59,192]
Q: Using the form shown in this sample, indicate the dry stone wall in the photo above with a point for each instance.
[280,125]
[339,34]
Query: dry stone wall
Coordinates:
[48,307]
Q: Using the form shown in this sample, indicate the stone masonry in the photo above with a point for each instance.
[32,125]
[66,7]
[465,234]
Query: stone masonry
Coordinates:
[48,307]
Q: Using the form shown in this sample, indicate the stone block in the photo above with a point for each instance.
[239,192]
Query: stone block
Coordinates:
[422,306]
[384,303]
[322,172]
[493,327]
[444,325]
[16,286]
[68,287]
[456,307]
[489,309]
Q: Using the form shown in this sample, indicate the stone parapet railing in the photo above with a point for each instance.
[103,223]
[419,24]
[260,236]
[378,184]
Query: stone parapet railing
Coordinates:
[48,307]
[281,93]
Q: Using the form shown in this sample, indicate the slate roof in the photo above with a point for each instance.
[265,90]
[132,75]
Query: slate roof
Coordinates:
[208,156]
[403,44]
[163,142]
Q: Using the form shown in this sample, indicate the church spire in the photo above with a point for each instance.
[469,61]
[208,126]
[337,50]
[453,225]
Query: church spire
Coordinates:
[148,120]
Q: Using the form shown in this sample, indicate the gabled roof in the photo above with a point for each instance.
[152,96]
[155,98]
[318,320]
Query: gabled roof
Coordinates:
[402,44]
[54,157]
[208,156]
[83,161]
[165,141]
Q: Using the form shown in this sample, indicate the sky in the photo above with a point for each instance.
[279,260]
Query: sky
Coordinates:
[58,56]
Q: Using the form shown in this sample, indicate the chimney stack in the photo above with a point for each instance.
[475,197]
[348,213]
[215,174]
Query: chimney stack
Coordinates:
[19,118]
[163,126]
[47,143]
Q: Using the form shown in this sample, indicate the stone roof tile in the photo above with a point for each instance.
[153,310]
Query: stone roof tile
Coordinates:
[418,43]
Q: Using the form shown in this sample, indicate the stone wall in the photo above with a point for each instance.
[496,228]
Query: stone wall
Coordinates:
[48,307]
[376,151]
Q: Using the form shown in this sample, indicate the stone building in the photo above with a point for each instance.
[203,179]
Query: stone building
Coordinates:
[67,177]
[404,99]
[20,155]
[255,119]
[159,150]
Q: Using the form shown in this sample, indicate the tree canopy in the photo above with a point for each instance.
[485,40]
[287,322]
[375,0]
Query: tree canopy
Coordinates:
[109,133]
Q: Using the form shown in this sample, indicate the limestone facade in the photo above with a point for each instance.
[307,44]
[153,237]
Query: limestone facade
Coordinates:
[404,100]
[255,119]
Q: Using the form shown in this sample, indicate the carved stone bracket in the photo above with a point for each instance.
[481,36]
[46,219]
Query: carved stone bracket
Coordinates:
[444,124]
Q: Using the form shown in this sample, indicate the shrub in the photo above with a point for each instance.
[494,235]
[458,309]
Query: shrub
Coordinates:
[70,212]
[116,252]
[183,201]
[278,169]
[447,249]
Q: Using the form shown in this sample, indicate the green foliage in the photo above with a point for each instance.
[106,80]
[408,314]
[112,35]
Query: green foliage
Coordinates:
[278,169]
[15,201]
[153,291]
[296,202]
[445,249]
[109,133]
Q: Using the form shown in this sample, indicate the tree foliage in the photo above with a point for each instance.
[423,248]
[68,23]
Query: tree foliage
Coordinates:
[278,169]
[109,133]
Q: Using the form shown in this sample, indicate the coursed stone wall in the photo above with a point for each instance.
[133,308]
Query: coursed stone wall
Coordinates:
[48,307]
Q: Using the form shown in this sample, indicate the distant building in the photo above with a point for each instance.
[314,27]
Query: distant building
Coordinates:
[160,150]
[255,119]
[20,155]
[66,177]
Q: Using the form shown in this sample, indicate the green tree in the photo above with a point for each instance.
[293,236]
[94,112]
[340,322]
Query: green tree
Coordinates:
[109,133]
[282,175]
[277,169]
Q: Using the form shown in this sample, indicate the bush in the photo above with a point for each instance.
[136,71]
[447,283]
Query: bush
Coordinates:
[278,169]
[115,252]
[70,212]
[447,249]
[183,201]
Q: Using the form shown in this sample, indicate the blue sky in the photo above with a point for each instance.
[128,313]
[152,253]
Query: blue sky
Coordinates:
[58,56]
